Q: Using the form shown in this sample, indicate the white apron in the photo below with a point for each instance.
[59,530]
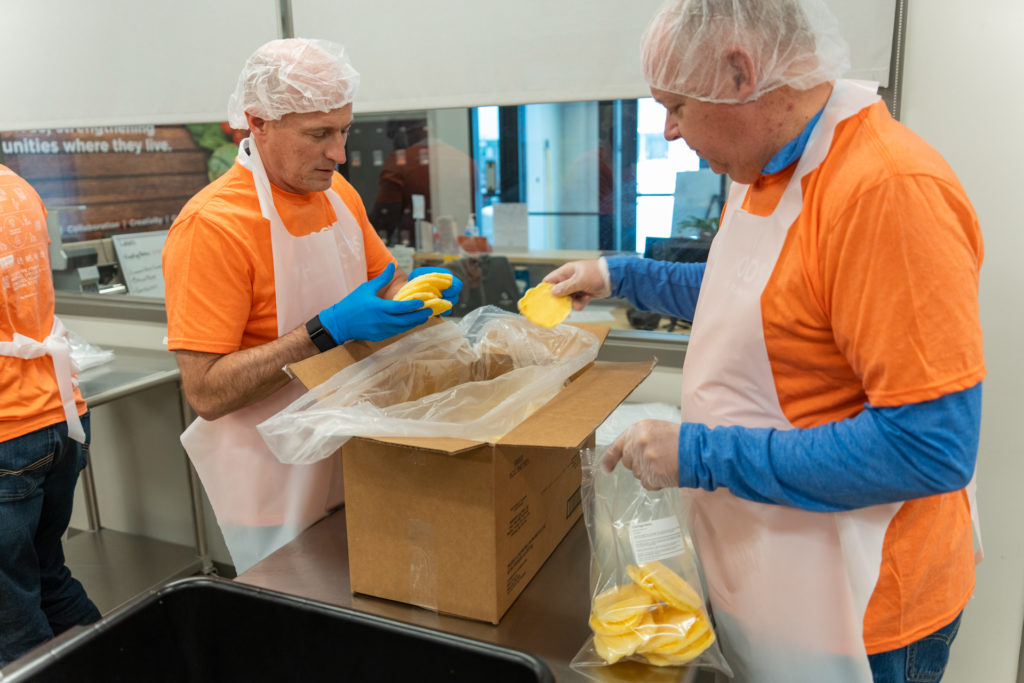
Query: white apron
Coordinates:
[789,587]
[56,346]
[261,503]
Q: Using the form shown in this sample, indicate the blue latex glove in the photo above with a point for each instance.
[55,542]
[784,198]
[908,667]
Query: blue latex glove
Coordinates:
[364,315]
[451,294]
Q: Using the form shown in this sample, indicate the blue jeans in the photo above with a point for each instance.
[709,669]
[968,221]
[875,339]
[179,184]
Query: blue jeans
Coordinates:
[923,661]
[38,596]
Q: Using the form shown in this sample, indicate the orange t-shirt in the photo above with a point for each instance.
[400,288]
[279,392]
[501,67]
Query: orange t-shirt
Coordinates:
[31,399]
[219,267]
[874,299]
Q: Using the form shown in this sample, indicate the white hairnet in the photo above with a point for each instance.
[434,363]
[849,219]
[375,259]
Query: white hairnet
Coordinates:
[292,76]
[796,43]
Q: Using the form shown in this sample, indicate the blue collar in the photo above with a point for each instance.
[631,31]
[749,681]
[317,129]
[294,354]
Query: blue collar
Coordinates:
[792,149]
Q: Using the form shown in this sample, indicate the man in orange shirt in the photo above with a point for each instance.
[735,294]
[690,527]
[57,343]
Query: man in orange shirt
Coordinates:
[44,435]
[271,263]
[831,394]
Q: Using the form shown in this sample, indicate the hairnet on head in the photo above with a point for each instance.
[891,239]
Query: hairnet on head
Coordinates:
[292,76]
[686,47]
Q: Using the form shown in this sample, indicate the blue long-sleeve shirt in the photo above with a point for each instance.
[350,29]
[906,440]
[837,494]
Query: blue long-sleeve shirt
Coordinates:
[880,455]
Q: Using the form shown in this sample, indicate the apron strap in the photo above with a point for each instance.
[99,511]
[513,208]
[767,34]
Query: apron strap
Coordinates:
[56,346]
[972,499]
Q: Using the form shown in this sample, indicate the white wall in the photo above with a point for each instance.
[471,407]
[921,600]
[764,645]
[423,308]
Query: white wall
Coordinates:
[68,63]
[963,95]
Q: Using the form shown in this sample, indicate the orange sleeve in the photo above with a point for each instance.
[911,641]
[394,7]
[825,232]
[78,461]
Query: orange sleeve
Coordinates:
[209,275]
[901,282]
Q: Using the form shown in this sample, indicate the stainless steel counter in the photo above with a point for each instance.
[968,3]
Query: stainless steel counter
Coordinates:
[115,566]
[131,370]
[548,619]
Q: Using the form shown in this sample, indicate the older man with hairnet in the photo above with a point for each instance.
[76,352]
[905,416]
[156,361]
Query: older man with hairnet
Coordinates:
[274,262]
[831,392]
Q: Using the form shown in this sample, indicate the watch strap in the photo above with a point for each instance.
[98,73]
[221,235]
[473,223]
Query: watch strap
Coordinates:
[321,338]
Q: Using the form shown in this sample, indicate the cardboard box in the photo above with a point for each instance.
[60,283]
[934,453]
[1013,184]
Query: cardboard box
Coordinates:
[461,526]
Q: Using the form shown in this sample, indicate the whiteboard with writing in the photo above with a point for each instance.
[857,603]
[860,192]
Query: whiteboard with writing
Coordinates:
[139,256]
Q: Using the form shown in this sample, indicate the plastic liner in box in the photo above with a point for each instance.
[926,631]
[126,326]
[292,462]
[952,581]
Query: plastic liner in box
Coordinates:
[208,629]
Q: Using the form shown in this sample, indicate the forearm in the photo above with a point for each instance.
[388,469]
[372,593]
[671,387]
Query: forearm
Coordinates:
[216,384]
[662,286]
[396,284]
[880,456]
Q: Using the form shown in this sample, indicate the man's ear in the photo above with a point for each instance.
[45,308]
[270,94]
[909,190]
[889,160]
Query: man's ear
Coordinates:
[741,65]
[256,124]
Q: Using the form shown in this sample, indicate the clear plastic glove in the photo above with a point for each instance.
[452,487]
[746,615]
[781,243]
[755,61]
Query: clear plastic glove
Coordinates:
[451,294]
[650,449]
[365,315]
[581,280]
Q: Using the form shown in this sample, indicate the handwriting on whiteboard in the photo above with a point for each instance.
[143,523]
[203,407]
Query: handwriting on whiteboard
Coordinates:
[139,256]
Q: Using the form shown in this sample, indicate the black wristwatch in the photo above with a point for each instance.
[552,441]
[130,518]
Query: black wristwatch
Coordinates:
[320,336]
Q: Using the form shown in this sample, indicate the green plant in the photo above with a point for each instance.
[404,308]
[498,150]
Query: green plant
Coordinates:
[695,226]
[218,142]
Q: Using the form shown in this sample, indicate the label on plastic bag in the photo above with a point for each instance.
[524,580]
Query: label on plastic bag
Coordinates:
[656,540]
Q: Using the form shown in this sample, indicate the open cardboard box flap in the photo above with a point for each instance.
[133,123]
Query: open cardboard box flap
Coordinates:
[569,418]
[564,422]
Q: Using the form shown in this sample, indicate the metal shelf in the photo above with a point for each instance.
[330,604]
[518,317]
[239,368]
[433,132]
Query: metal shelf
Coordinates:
[115,566]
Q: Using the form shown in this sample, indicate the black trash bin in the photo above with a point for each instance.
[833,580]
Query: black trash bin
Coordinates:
[209,629]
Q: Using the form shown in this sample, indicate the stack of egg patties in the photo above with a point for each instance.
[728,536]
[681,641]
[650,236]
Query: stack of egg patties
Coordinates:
[427,288]
[659,617]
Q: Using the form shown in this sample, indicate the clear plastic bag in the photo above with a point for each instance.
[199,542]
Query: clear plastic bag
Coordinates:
[628,414]
[473,379]
[648,611]
[85,355]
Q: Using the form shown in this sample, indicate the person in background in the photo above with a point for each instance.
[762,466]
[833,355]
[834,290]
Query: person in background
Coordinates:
[831,393]
[406,174]
[274,262]
[44,435]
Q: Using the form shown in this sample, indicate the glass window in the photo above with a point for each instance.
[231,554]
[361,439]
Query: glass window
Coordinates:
[487,142]
[530,186]
[658,165]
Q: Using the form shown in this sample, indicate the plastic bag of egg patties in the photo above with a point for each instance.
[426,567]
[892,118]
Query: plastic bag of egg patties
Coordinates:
[648,615]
